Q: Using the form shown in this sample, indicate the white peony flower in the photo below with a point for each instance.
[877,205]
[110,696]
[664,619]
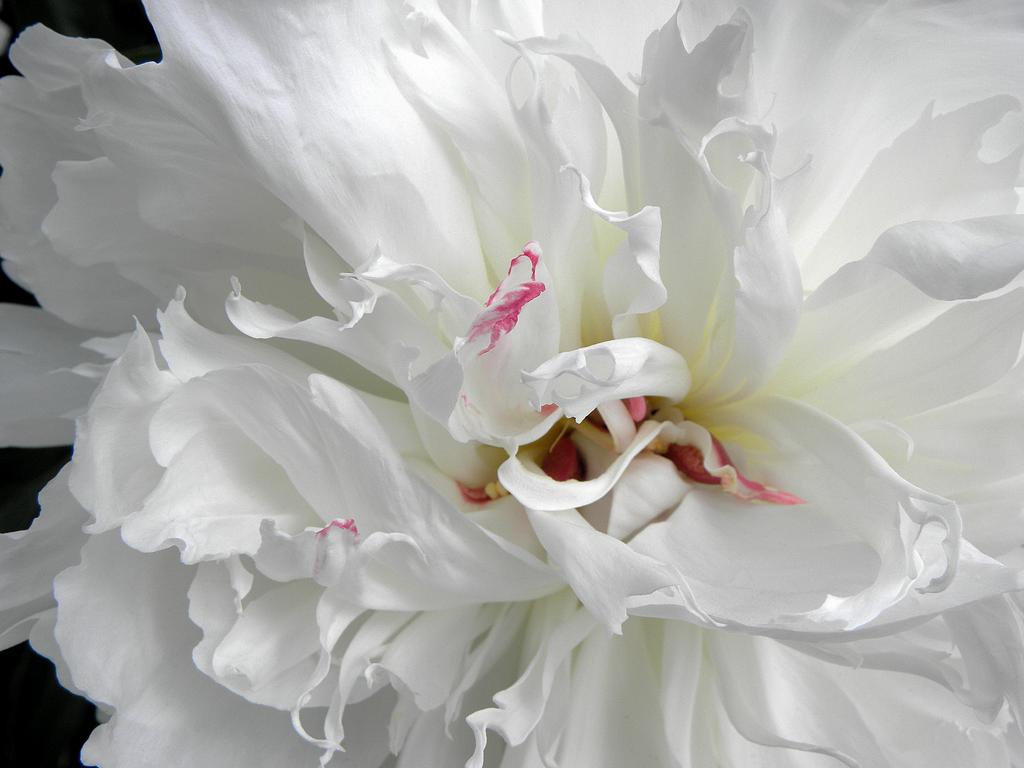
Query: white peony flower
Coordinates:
[597,384]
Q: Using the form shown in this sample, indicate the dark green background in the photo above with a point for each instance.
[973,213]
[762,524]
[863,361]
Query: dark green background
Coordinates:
[44,725]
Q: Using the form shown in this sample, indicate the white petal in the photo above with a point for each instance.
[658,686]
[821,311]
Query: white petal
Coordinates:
[213,497]
[618,101]
[602,571]
[38,117]
[954,260]
[779,697]
[632,281]
[613,719]
[384,157]
[650,486]
[908,528]
[550,112]
[428,655]
[616,32]
[684,706]
[390,341]
[275,635]
[521,706]
[582,379]
[122,629]
[458,562]
[192,350]
[39,393]
[442,76]
[31,559]
[687,89]
[932,171]
[885,56]
[113,469]
[960,352]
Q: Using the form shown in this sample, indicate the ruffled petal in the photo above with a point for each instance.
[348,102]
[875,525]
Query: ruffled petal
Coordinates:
[521,706]
[602,571]
[857,364]
[31,559]
[40,393]
[932,171]
[357,116]
[580,380]
[778,697]
[118,602]
[954,260]
[113,469]
[632,283]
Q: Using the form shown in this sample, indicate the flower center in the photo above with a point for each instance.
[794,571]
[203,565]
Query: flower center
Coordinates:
[696,454]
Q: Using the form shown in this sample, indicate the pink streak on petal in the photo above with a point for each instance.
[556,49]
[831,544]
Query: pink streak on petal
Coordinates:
[637,407]
[532,252]
[348,524]
[751,489]
[473,495]
[547,409]
[503,316]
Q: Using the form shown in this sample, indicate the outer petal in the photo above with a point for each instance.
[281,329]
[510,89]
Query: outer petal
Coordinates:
[213,496]
[885,56]
[443,77]
[128,199]
[40,393]
[619,44]
[41,113]
[779,697]
[521,706]
[932,171]
[114,605]
[955,260]
[856,362]
[31,559]
[613,676]
[113,470]
[384,158]
[262,643]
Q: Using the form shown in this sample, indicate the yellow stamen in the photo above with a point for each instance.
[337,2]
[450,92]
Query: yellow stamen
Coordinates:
[495,490]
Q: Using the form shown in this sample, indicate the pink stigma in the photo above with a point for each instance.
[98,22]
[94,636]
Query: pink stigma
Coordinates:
[637,407]
[473,495]
[348,524]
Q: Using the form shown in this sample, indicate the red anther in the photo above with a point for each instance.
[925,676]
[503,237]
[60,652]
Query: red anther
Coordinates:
[473,495]
[563,461]
[637,407]
[690,461]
